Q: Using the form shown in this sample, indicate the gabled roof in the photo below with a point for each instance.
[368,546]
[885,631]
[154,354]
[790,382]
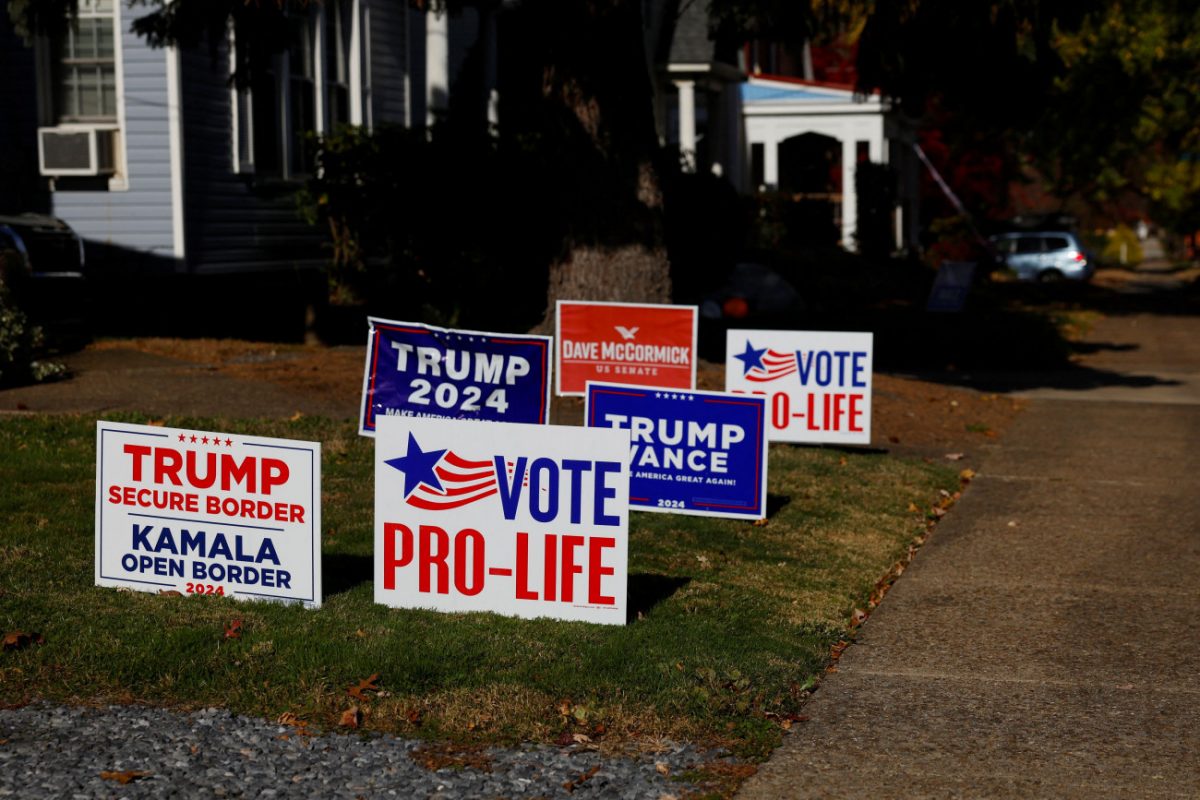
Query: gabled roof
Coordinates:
[776,93]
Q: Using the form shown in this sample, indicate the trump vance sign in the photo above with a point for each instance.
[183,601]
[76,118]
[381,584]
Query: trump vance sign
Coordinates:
[702,453]
[208,513]
[817,383]
[524,520]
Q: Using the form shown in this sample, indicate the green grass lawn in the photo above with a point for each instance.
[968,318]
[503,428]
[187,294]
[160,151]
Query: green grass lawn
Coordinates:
[734,622]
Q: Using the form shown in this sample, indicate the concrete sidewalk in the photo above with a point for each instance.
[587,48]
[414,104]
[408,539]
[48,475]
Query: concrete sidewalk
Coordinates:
[1043,644]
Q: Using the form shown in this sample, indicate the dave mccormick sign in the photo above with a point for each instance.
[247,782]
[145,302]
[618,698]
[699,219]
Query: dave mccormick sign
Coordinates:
[632,343]
[208,513]
[415,370]
[702,453]
[523,520]
[817,383]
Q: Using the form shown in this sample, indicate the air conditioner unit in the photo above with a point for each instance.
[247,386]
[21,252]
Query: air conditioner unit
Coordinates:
[75,151]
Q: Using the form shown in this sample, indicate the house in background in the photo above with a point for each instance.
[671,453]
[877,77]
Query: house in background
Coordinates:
[163,166]
[808,140]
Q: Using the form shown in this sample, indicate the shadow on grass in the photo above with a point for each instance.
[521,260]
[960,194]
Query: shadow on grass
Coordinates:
[776,503]
[646,590]
[341,572]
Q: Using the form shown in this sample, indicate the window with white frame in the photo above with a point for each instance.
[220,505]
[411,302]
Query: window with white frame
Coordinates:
[305,88]
[84,66]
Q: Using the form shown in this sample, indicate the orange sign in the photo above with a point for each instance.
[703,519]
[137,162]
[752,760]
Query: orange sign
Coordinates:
[632,343]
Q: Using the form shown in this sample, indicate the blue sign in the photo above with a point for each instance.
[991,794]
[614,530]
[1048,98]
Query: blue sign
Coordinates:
[416,370]
[702,453]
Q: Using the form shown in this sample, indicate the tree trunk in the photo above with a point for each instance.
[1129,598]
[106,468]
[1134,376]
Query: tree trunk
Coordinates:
[585,89]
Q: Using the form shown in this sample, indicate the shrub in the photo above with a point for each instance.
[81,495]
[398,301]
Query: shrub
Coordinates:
[19,344]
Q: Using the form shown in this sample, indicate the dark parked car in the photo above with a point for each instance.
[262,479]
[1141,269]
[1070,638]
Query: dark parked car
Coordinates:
[42,264]
[1044,255]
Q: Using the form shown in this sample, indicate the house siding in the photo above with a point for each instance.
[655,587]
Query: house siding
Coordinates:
[230,223]
[138,218]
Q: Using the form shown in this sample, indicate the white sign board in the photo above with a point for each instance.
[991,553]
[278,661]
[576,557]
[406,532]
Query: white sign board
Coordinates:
[817,383]
[208,513]
[523,520]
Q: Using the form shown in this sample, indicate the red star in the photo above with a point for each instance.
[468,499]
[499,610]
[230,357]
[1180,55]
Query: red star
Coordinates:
[204,440]
[193,438]
[229,442]
[182,437]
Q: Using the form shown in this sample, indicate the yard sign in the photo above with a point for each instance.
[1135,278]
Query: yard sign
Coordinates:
[208,513]
[817,383]
[702,453]
[630,343]
[415,370]
[523,520]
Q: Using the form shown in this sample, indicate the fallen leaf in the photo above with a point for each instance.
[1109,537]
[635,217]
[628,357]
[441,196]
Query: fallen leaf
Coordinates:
[565,739]
[858,617]
[413,715]
[1012,523]
[351,717]
[955,456]
[368,685]
[572,785]
[581,738]
[15,640]
[760,523]
[914,508]
[661,768]
[966,475]
[234,630]
[288,718]
[842,461]
[296,417]
[125,776]
[156,423]
[170,593]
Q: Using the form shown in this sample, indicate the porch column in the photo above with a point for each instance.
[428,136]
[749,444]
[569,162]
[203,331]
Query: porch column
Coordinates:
[437,64]
[687,123]
[849,194]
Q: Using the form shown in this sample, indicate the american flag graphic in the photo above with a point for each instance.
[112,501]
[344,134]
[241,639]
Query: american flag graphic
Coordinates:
[775,365]
[463,482]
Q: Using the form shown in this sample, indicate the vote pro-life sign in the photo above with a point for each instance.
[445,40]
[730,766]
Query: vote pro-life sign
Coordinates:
[522,520]
[415,370]
[208,513]
[817,383]
[640,344]
[701,453]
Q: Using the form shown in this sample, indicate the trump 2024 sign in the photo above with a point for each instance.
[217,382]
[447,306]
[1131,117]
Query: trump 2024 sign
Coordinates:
[208,513]
[415,370]
[523,520]
[633,343]
[817,383]
[702,453]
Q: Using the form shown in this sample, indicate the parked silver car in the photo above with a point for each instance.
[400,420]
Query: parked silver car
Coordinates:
[1044,255]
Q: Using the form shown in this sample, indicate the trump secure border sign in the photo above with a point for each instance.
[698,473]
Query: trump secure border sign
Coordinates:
[702,453]
[208,513]
[523,520]
[415,370]
[633,343]
[817,383]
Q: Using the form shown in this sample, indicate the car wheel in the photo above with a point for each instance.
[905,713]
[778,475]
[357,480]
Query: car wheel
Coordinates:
[1050,276]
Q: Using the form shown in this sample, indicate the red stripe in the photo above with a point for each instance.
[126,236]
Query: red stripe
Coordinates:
[453,458]
[448,475]
[428,505]
[456,490]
